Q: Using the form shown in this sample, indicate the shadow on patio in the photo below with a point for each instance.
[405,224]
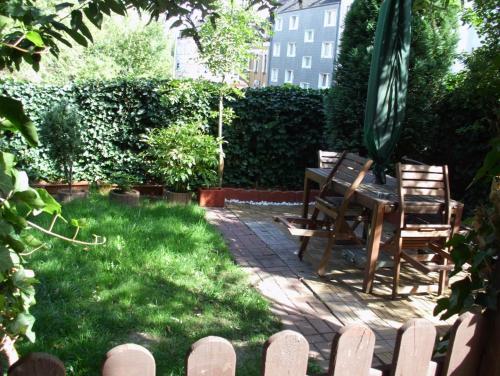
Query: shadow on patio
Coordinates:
[318,307]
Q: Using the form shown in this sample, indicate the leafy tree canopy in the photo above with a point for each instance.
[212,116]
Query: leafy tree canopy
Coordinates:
[124,47]
[226,44]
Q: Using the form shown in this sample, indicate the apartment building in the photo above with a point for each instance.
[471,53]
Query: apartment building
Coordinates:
[304,43]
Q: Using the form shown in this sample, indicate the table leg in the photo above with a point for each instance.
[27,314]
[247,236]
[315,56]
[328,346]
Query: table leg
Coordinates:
[458,219]
[373,247]
[307,192]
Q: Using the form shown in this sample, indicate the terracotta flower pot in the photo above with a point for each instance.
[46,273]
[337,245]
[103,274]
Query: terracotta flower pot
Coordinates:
[179,198]
[128,198]
[212,197]
[64,195]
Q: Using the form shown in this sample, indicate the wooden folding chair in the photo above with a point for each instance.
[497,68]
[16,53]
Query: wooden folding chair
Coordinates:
[328,159]
[337,211]
[425,222]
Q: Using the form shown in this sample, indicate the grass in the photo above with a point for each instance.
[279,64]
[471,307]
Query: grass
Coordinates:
[164,279]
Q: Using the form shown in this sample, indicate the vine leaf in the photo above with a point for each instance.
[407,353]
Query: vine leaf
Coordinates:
[12,111]
[35,38]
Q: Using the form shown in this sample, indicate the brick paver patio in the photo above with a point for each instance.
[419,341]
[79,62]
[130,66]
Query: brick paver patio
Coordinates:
[316,307]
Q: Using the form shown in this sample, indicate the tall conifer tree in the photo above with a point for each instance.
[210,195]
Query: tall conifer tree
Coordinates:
[434,39]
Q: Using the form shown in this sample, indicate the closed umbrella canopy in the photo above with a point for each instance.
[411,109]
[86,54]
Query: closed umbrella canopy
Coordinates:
[387,85]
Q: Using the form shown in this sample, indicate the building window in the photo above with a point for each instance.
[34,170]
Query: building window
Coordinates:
[293,23]
[256,65]
[276,49]
[264,64]
[305,85]
[291,49]
[324,81]
[309,36]
[288,76]
[306,62]
[278,26]
[327,50]
[274,75]
[330,18]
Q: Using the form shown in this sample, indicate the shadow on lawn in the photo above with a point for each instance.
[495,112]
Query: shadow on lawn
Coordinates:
[164,277]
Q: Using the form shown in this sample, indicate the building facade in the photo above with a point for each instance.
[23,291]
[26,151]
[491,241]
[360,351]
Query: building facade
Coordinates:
[257,67]
[304,43]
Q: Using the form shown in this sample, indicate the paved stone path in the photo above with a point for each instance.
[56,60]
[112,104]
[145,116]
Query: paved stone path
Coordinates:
[316,307]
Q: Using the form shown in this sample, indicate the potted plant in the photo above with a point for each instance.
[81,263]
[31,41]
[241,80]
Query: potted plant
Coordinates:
[183,156]
[124,192]
[61,133]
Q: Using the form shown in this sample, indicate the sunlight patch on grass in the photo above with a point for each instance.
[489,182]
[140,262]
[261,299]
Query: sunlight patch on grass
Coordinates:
[164,277]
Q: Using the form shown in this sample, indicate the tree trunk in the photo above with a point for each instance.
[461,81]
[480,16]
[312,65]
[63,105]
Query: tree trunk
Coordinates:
[221,150]
[8,350]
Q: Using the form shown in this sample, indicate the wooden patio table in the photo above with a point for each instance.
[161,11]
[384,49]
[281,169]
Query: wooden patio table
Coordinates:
[382,200]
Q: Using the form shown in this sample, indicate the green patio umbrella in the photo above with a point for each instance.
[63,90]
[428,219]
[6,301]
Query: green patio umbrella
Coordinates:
[387,85]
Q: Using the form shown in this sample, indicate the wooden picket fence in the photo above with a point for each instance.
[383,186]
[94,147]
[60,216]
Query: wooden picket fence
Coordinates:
[286,354]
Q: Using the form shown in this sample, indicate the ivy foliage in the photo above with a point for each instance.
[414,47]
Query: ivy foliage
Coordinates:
[476,254]
[275,134]
[18,202]
[114,116]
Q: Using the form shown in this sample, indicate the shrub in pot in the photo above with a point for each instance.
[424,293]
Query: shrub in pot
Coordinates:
[183,156]
[61,133]
[124,192]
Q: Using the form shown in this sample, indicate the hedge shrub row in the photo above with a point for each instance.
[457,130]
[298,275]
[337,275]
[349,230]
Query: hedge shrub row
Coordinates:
[275,134]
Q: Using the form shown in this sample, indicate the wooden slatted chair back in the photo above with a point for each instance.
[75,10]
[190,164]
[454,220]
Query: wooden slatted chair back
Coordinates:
[352,169]
[328,159]
[348,167]
[432,182]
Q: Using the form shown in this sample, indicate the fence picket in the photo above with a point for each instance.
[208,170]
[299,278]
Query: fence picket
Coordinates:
[352,351]
[129,360]
[413,352]
[465,348]
[285,353]
[37,364]
[211,356]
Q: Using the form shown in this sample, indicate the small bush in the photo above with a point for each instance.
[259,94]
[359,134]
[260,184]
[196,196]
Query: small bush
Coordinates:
[183,156]
[61,133]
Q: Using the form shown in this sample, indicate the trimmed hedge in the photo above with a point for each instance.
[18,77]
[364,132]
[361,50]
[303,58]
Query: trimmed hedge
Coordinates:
[275,135]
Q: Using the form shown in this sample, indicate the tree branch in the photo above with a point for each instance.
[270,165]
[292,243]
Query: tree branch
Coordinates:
[69,240]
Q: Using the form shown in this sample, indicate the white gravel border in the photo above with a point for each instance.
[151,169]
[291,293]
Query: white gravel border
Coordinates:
[264,203]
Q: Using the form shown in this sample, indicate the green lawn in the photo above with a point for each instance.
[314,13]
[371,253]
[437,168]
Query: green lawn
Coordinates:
[164,279]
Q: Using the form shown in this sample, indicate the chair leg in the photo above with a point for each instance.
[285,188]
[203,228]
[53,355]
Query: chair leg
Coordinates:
[326,256]
[397,267]
[305,239]
[443,279]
